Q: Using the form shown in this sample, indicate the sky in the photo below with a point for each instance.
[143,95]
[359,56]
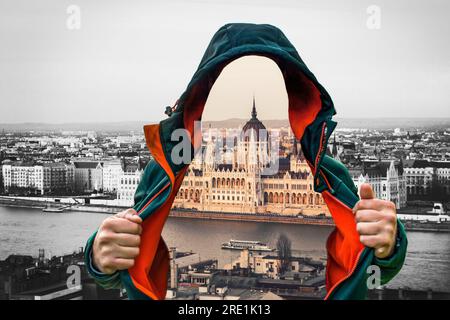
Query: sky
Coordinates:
[130,59]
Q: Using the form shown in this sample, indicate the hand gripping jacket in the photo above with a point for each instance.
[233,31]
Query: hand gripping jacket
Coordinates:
[310,116]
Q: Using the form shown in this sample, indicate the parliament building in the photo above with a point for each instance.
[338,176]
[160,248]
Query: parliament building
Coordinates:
[236,179]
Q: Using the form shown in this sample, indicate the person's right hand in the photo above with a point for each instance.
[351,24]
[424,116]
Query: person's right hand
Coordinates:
[116,244]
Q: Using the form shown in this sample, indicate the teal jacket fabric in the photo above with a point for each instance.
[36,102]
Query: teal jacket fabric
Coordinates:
[310,113]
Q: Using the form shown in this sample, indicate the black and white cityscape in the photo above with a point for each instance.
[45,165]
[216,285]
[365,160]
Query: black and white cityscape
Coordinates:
[64,182]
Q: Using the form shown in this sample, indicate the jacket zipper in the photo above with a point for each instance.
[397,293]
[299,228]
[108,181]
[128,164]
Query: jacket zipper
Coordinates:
[352,270]
[153,198]
[346,277]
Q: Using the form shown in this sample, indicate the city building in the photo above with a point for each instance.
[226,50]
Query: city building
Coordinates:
[269,265]
[1,172]
[128,182]
[387,180]
[112,170]
[41,179]
[61,177]
[426,178]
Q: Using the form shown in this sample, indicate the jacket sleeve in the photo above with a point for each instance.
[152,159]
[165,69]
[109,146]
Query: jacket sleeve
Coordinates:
[390,266]
[107,281]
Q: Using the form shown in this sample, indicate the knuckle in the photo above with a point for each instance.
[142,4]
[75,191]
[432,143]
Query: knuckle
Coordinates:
[106,251]
[106,262]
[106,236]
[102,238]
[389,229]
[390,218]
[108,223]
[391,205]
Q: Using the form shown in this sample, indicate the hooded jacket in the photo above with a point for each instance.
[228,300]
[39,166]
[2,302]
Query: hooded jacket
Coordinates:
[310,114]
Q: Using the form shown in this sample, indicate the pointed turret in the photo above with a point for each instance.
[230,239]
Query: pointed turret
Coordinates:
[334,151]
[256,125]
[254,113]
[295,151]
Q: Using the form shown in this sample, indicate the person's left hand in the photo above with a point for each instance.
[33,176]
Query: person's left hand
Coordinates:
[376,222]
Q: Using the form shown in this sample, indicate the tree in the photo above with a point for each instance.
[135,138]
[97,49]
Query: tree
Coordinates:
[284,252]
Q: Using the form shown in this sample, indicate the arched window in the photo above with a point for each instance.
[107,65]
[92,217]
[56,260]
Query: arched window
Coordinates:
[197,196]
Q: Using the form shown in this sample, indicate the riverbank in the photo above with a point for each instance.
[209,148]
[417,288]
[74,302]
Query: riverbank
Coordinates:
[230,216]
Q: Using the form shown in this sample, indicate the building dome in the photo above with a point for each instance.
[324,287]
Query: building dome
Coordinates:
[255,125]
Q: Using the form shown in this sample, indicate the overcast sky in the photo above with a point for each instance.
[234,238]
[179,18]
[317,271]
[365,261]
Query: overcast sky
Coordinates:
[130,59]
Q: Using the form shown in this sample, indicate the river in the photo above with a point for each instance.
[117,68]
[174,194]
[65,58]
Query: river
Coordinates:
[24,231]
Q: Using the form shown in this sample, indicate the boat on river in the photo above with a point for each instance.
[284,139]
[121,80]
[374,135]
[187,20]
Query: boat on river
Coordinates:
[246,244]
[52,209]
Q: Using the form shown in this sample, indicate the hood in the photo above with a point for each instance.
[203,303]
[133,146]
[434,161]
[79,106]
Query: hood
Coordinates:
[310,106]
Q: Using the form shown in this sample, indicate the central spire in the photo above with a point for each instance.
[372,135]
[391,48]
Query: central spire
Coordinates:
[254,114]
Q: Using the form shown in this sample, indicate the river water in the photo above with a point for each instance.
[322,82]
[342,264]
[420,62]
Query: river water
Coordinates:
[24,231]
